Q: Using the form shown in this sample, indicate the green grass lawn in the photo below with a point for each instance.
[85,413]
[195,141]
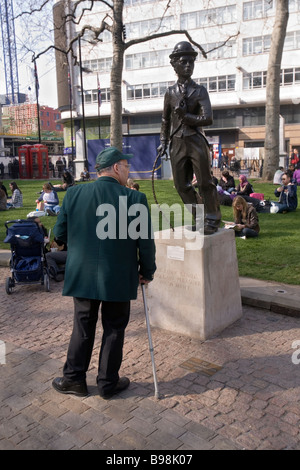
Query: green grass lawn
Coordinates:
[273,256]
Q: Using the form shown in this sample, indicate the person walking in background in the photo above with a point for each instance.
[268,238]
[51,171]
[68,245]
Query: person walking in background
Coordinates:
[59,166]
[105,265]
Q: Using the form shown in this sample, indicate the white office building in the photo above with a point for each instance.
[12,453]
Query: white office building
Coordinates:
[236,36]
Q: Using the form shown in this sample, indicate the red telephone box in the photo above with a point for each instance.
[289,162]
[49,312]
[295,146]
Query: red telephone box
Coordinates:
[39,161]
[24,161]
[33,161]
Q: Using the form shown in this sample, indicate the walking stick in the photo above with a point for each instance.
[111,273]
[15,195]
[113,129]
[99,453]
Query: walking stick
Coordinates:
[157,395]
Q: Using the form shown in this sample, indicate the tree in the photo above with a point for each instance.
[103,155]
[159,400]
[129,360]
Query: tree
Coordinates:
[72,13]
[113,22]
[273,90]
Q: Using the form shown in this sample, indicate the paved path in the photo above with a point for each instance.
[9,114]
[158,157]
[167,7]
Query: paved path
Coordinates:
[237,390]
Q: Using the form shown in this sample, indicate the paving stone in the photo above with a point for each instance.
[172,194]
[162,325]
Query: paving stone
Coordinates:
[252,403]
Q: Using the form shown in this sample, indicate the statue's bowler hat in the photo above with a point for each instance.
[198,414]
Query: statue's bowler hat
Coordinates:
[183,48]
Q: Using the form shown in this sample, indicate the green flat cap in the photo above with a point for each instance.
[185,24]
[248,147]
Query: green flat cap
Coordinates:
[109,156]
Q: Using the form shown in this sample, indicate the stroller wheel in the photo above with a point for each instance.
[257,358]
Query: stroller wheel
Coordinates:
[46,283]
[9,285]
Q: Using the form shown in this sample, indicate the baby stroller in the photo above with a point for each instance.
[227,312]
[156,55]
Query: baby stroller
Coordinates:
[28,263]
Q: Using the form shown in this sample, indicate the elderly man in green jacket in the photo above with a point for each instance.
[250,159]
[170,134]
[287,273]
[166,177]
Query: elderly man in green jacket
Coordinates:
[110,251]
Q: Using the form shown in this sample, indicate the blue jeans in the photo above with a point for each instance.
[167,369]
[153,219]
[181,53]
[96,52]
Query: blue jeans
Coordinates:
[246,232]
[282,207]
[55,209]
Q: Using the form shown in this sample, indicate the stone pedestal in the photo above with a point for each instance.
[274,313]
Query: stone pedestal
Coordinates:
[196,290]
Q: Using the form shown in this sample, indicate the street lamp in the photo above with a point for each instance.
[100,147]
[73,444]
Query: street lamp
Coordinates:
[82,104]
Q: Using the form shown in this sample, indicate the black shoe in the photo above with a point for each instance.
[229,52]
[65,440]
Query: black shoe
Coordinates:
[122,384]
[209,230]
[61,385]
[52,272]
[50,212]
[59,277]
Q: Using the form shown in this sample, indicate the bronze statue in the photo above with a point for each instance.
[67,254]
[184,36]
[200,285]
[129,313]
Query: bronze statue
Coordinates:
[186,109]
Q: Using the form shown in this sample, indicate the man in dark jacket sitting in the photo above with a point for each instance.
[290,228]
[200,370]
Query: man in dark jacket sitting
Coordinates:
[287,194]
[227,182]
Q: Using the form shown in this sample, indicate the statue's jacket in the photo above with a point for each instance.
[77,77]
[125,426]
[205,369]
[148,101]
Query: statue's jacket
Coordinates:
[198,111]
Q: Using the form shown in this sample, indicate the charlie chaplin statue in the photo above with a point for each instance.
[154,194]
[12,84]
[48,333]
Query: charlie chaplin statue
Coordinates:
[186,109]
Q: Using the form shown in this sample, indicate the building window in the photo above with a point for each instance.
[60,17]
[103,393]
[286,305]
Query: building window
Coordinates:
[136,2]
[253,117]
[224,118]
[254,80]
[258,9]
[91,96]
[147,59]
[215,50]
[145,91]
[218,84]
[290,76]
[148,27]
[294,5]
[292,41]
[256,45]
[98,65]
[210,17]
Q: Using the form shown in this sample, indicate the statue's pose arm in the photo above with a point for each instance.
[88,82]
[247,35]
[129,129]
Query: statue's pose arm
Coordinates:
[165,126]
[200,113]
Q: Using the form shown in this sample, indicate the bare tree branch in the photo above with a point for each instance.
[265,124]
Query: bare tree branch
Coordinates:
[34,10]
[166,33]
[223,43]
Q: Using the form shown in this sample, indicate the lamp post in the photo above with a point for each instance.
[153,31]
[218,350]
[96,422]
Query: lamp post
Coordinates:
[82,104]
[37,98]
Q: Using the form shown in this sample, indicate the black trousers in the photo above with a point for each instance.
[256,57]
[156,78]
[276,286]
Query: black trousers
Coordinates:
[115,317]
[191,155]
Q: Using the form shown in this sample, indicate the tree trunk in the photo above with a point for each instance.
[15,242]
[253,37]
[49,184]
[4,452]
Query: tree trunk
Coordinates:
[116,75]
[271,160]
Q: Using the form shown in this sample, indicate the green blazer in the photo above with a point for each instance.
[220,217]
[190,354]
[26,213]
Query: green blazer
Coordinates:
[103,262]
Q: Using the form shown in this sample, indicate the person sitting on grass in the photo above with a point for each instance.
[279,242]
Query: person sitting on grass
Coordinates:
[245,218]
[296,175]
[16,198]
[244,188]
[48,200]
[287,194]
[3,188]
[3,201]
[227,182]
[68,181]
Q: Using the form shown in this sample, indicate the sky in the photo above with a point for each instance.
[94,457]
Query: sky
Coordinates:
[25,38]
